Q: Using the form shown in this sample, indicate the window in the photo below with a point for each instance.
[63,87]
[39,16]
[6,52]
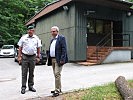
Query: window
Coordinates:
[98,26]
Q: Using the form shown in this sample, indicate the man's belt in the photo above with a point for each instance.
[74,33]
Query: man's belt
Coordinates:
[29,55]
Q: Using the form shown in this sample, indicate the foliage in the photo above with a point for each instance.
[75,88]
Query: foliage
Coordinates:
[130,0]
[13,16]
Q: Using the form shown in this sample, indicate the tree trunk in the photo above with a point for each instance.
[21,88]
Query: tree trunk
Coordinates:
[123,88]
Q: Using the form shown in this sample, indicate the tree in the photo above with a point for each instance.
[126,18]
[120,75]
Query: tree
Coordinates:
[13,16]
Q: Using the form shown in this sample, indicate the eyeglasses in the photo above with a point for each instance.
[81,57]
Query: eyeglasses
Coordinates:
[53,31]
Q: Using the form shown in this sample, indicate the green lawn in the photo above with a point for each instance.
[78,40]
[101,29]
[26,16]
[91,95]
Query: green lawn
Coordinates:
[106,92]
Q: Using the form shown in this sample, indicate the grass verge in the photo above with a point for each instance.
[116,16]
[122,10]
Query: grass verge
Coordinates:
[105,92]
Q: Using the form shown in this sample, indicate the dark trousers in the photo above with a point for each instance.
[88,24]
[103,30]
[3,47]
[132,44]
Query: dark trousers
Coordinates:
[28,65]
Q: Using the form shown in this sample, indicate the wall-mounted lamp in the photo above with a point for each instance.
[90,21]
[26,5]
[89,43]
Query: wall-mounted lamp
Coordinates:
[88,12]
[129,14]
[65,8]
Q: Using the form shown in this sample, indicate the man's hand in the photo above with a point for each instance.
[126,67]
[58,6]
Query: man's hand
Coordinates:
[38,56]
[61,63]
[19,55]
[37,60]
[19,59]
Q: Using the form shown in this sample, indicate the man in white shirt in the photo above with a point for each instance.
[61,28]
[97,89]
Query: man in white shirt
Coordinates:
[57,57]
[29,48]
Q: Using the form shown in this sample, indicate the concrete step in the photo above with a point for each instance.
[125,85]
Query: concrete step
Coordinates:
[86,63]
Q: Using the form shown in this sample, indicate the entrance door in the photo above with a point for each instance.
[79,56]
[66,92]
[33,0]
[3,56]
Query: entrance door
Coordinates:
[117,34]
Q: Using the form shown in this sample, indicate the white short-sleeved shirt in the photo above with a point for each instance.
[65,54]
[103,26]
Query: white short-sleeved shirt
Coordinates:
[29,44]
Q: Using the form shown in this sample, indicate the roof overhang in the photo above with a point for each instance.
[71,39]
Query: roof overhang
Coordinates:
[48,9]
[117,4]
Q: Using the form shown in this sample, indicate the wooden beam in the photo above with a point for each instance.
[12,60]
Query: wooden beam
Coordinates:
[122,86]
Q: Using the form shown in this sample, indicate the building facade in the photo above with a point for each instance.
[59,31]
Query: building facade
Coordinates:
[85,23]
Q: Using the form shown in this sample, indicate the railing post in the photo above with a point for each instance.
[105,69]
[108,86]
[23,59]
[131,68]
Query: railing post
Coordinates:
[129,39]
[97,48]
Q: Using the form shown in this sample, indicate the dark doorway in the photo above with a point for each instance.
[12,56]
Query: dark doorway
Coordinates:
[97,29]
[117,34]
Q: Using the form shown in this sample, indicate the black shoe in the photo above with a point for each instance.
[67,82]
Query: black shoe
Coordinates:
[56,91]
[53,91]
[32,89]
[55,94]
[23,91]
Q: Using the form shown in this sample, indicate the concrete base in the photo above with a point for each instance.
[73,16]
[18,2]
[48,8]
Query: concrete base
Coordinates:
[118,56]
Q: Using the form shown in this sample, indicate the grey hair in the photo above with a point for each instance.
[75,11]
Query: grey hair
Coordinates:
[56,27]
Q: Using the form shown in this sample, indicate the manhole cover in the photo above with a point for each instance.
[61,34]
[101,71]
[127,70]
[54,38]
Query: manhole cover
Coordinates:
[7,79]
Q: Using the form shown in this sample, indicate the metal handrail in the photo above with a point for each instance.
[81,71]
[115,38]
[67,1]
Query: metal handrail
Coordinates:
[106,36]
[102,43]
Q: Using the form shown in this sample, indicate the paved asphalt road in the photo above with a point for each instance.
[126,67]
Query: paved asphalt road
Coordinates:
[74,76]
